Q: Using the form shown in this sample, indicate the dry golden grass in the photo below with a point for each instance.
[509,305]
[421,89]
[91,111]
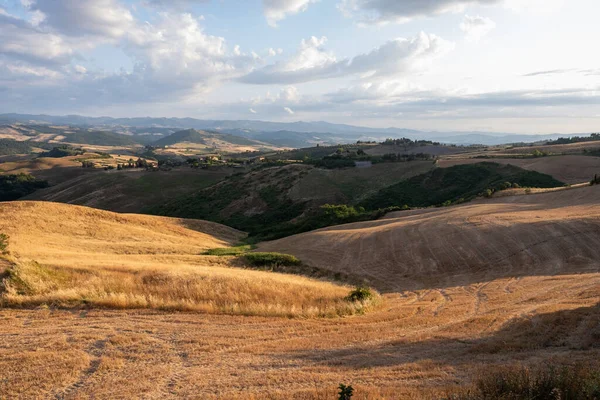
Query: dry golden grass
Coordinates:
[497,282]
[70,256]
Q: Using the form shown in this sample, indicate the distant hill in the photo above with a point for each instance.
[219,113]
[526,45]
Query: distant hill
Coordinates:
[10,147]
[99,138]
[203,137]
[301,133]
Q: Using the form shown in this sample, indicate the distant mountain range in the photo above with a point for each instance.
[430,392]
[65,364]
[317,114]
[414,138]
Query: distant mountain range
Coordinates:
[293,134]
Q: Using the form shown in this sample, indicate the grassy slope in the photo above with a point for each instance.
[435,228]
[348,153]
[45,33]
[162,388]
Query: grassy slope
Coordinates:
[264,199]
[130,191]
[201,137]
[72,256]
[99,138]
[454,183]
[551,233]
[502,282]
[11,147]
[570,169]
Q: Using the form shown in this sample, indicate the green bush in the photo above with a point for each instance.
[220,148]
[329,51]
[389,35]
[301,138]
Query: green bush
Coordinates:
[228,251]
[549,382]
[271,260]
[346,392]
[3,243]
[360,294]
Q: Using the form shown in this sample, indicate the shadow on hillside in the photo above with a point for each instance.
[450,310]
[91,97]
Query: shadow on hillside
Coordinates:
[571,334]
[436,253]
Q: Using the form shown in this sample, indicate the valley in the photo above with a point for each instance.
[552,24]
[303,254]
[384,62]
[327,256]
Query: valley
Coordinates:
[207,265]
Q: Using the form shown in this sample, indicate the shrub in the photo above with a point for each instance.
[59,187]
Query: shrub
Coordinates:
[360,294]
[228,251]
[346,392]
[595,181]
[549,382]
[3,243]
[271,259]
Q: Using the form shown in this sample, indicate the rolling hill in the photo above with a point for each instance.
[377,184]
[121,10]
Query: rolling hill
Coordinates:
[509,237]
[203,137]
[570,169]
[264,199]
[499,283]
[71,256]
[129,191]
[458,183]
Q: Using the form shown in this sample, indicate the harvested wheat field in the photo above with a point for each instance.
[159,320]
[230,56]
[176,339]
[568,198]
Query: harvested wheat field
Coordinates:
[570,169]
[498,282]
[69,256]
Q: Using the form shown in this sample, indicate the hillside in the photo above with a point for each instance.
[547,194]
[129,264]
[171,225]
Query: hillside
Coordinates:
[494,284]
[130,191]
[11,147]
[97,138]
[202,137]
[64,134]
[456,184]
[570,169]
[263,199]
[508,237]
[71,256]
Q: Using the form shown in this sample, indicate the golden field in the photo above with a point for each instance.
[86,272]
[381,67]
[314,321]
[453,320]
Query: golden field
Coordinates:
[502,281]
[70,256]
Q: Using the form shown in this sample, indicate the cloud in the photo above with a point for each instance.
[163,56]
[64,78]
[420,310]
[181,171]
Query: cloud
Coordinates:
[313,62]
[401,11]
[288,110]
[173,57]
[476,27]
[22,40]
[176,4]
[277,10]
[105,18]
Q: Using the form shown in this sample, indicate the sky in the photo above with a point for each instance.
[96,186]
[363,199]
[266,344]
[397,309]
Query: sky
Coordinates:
[515,66]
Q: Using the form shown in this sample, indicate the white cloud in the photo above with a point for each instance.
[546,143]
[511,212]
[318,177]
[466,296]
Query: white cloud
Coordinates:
[314,62]
[172,56]
[80,69]
[400,11]
[22,40]
[105,18]
[277,10]
[476,27]
[177,4]
[288,110]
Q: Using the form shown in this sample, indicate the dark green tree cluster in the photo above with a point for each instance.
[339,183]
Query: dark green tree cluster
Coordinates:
[408,142]
[9,147]
[575,139]
[131,163]
[63,151]
[13,187]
